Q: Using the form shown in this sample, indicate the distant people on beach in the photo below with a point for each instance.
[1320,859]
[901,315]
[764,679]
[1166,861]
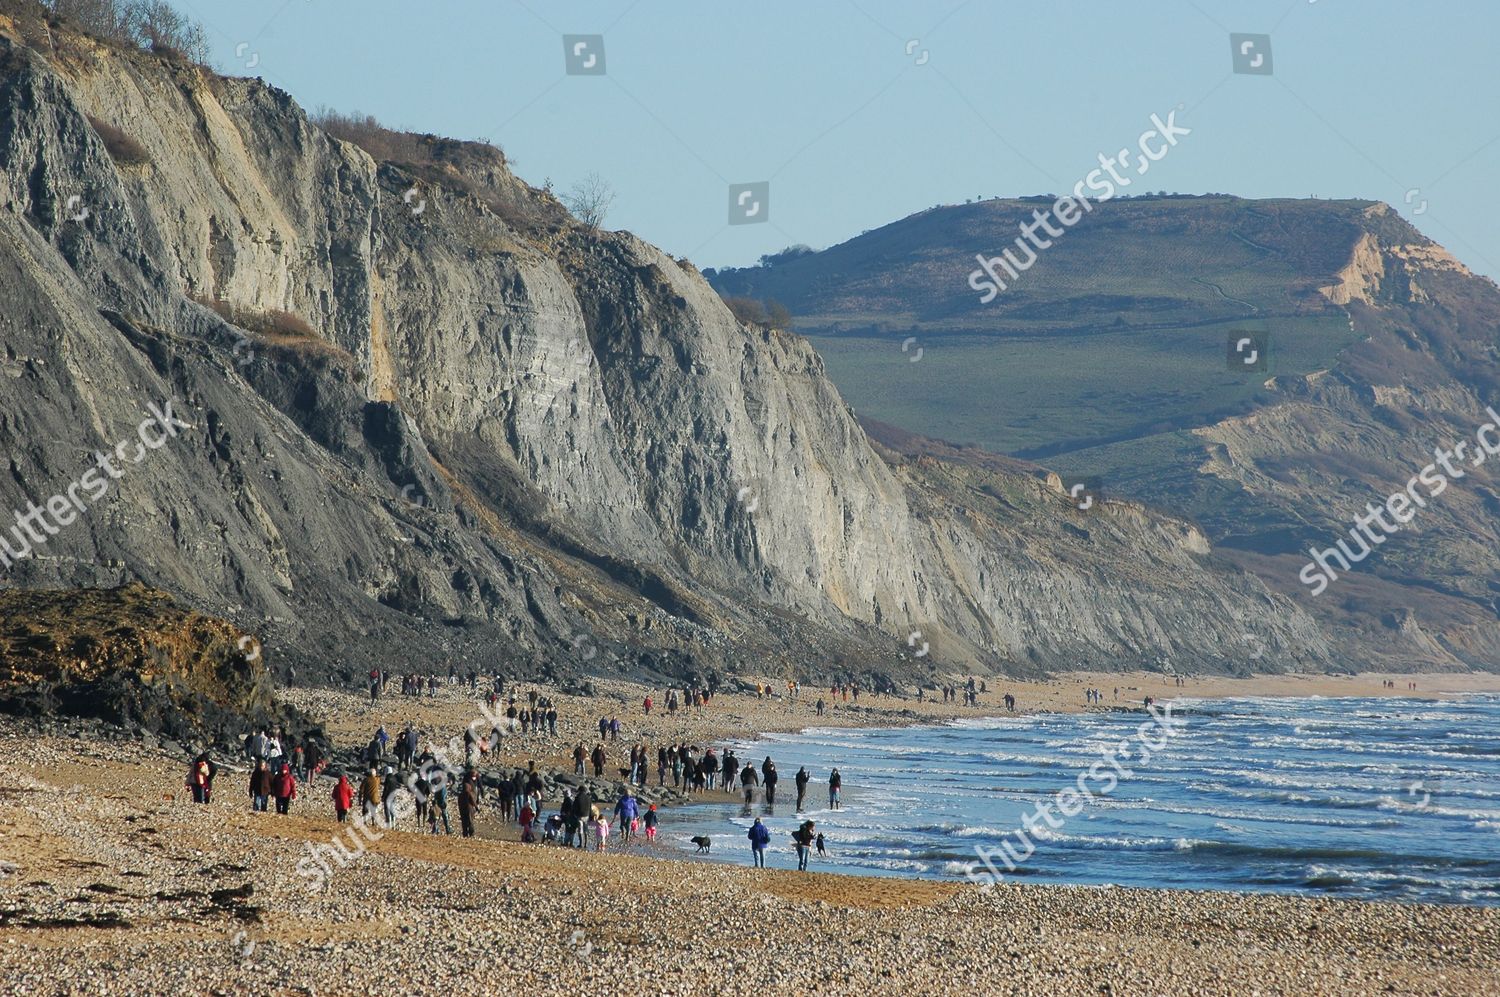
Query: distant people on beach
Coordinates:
[628,811]
[284,788]
[748,781]
[343,798]
[468,803]
[260,786]
[200,778]
[369,794]
[802,779]
[835,786]
[760,837]
[804,837]
[768,779]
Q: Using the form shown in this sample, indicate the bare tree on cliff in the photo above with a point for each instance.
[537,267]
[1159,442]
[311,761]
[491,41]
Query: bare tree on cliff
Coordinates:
[590,200]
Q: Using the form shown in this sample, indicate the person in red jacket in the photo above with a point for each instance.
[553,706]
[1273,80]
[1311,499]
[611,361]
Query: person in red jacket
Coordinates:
[648,706]
[284,788]
[343,797]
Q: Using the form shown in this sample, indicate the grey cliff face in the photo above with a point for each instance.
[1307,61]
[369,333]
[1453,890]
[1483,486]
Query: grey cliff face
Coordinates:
[501,438]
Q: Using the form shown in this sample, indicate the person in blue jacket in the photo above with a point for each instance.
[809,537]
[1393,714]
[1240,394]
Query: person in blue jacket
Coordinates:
[760,837]
[627,810]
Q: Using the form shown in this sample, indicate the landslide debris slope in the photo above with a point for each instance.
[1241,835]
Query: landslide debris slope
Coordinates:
[431,419]
[131,656]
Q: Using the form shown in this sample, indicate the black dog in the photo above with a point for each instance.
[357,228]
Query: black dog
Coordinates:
[703,842]
[822,848]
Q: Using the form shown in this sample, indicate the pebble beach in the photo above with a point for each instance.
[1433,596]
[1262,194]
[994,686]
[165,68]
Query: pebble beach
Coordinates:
[111,883]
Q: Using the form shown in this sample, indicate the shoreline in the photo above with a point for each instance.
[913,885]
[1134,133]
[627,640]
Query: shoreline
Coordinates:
[350,719]
[111,887]
[114,880]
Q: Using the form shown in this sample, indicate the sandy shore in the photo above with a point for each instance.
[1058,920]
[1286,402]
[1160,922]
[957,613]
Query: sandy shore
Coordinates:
[111,886]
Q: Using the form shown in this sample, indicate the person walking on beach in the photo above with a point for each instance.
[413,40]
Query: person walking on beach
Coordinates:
[284,786]
[200,778]
[710,767]
[437,803]
[468,803]
[804,837]
[260,786]
[387,794]
[600,758]
[769,778]
[748,780]
[650,820]
[583,805]
[760,837]
[627,810]
[835,783]
[731,767]
[343,797]
[369,794]
[802,780]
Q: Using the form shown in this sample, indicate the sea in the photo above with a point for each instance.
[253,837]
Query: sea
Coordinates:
[1382,799]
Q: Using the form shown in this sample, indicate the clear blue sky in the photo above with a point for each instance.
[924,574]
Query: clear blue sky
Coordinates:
[1368,98]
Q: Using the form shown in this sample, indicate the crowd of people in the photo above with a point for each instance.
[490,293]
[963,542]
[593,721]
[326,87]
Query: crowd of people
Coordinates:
[283,769]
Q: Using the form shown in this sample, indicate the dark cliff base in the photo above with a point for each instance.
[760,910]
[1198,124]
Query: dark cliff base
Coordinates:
[132,657]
